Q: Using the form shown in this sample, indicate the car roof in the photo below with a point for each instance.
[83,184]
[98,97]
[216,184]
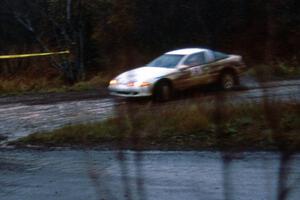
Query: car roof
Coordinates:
[186,51]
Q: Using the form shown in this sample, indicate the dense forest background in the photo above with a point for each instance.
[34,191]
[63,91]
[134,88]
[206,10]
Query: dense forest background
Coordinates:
[104,35]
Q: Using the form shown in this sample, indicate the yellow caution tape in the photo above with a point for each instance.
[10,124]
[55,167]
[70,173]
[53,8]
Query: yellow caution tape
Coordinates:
[33,55]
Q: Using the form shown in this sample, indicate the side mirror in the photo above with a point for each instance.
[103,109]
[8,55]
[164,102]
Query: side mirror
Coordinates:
[182,67]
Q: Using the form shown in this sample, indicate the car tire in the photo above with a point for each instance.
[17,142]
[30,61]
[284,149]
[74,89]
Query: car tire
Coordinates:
[228,80]
[162,91]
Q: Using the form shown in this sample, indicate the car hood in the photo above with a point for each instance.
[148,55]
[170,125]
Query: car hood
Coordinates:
[144,74]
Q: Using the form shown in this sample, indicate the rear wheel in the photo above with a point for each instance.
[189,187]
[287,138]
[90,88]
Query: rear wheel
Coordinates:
[228,80]
[163,91]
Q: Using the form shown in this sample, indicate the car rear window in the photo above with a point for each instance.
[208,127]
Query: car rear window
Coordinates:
[196,59]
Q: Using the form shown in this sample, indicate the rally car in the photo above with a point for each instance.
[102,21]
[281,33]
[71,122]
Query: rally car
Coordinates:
[179,70]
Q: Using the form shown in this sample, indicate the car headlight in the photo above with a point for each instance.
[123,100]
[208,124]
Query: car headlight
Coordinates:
[138,84]
[113,82]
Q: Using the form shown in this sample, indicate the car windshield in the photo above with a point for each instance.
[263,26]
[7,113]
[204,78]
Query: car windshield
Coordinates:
[166,61]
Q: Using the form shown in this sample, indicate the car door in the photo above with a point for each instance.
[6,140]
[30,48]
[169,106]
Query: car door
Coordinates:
[215,63]
[191,74]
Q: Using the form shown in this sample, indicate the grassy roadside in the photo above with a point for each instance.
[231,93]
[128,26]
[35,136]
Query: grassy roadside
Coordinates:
[190,126]
[19,86]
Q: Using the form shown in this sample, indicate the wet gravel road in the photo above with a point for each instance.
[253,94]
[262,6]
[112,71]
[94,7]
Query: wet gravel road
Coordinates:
[23,115]
[108,175]
[157,175]
[17,120]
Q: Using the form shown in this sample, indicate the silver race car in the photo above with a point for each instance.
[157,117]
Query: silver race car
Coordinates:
[179,70]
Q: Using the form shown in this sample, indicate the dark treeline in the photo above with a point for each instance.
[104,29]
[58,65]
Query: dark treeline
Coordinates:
[106,34]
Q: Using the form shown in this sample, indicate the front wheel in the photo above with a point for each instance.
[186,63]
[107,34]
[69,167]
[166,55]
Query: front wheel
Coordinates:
[228,80]
[163,92]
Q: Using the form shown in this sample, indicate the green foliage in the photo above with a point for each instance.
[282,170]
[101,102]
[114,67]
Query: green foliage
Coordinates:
[283,69]
[124,33]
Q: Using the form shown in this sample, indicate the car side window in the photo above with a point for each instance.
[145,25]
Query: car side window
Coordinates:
[219,55]
[195,59]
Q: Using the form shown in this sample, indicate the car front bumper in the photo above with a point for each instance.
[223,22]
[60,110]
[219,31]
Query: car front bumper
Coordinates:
[127,91]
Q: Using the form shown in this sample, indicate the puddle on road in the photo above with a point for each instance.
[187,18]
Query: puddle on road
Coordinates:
[19,120]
